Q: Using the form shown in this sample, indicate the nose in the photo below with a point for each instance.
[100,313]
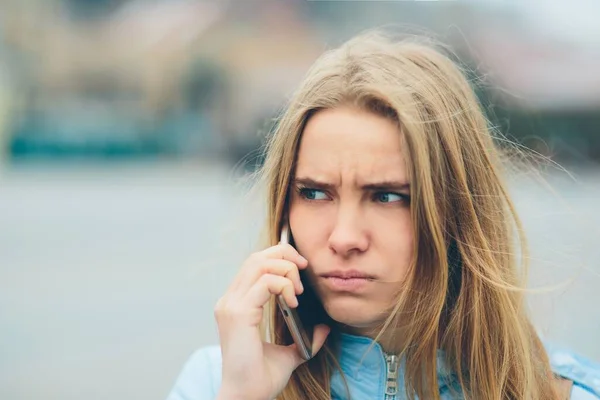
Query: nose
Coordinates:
[348,235]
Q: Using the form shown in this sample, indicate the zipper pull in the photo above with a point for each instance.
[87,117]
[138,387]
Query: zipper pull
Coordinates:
[391,385]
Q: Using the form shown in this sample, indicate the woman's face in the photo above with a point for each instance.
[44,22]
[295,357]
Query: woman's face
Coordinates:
[350,213]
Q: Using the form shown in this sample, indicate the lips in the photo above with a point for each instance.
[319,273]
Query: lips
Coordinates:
[350,274]
[347,281]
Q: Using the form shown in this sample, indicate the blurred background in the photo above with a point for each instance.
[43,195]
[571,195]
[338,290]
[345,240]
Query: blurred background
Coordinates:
[128,129]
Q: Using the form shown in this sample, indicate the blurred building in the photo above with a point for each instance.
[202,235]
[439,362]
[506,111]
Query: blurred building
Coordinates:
[118,78]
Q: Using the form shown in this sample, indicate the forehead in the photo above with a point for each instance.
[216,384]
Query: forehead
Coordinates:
[350,143]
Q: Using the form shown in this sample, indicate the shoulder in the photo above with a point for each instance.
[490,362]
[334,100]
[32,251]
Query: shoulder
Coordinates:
[200,376]
[584,372]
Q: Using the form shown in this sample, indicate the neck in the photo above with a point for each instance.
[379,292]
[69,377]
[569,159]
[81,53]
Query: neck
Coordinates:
[392,340]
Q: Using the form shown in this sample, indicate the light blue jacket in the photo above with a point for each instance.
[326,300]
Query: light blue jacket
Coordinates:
[376,375]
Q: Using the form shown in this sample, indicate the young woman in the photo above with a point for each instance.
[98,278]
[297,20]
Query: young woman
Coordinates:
[403,258]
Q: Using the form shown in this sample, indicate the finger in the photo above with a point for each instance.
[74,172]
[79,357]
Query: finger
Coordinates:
[267,285]
[287,252]
[281,251]
[283,268]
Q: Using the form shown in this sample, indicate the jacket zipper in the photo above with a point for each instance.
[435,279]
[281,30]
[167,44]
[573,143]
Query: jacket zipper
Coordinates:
[391,380]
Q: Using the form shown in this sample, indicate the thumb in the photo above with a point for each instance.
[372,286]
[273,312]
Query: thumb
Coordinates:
[320,334]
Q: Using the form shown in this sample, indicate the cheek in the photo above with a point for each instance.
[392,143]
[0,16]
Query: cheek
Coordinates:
[407,238]
[307,226]
[398,243]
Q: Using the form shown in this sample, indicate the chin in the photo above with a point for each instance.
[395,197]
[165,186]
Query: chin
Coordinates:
[352,311]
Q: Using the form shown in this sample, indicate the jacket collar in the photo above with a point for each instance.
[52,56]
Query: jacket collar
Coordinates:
[363,362]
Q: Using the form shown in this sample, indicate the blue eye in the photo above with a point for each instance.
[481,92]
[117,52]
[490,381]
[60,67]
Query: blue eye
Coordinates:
[389,197]
[312,194]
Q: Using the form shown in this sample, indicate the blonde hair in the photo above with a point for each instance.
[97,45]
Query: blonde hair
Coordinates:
[463,293]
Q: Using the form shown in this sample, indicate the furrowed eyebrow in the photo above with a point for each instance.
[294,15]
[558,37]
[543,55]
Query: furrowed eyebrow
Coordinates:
[387,185]
[312,183]
[373,186]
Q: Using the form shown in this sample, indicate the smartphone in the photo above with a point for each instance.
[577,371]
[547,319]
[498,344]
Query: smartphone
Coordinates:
[299,334]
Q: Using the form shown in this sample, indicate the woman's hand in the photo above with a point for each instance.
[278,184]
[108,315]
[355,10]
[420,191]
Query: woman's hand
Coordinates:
[253,369]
